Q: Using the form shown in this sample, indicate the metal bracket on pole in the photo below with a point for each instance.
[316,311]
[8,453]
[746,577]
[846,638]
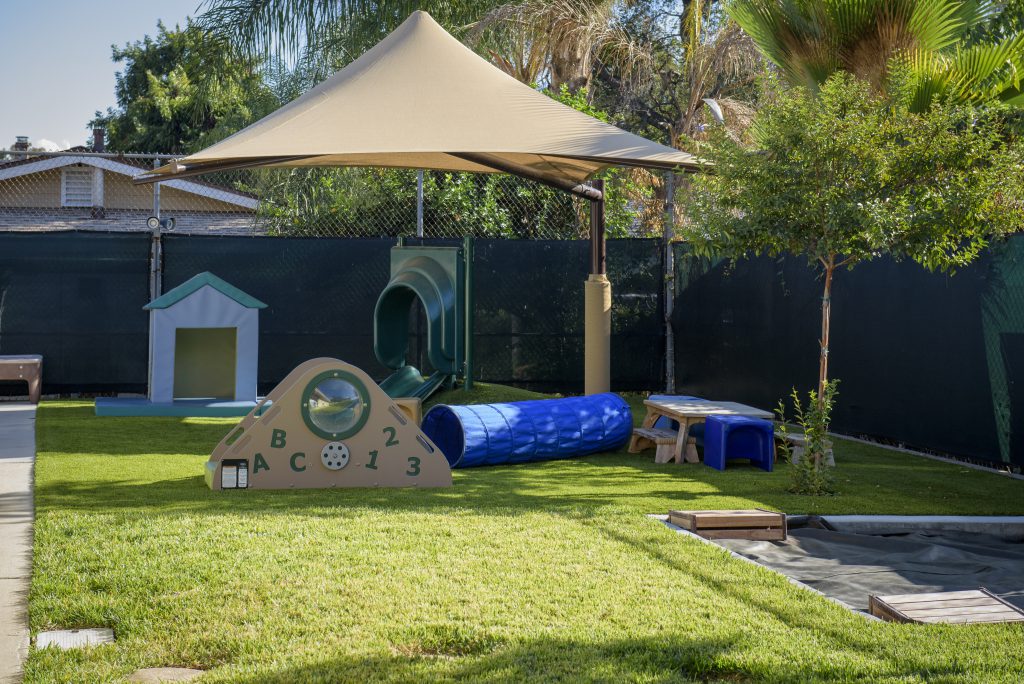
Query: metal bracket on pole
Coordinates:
[598,260]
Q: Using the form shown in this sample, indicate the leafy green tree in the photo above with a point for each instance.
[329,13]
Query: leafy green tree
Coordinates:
[852,175]
[181,91]
[1007,19]
[809,40]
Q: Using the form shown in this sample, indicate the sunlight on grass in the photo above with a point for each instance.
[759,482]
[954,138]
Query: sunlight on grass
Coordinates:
[201,420]
[536,572]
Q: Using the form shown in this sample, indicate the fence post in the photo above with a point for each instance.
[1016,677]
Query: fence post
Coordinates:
[419,203]
[470,322]
[156,256]
[669,233]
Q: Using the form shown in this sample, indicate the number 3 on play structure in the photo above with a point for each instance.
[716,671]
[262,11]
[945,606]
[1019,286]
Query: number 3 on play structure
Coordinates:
[414,466]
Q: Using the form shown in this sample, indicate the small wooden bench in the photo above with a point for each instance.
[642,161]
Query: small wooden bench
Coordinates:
[28,367]
[664,440]
[798,442]
[756,523]
[955,607]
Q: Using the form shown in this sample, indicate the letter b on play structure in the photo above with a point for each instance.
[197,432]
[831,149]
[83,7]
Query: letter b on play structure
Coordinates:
[277,439]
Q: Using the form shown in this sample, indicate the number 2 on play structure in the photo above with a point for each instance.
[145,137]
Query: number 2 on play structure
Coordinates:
[390,432]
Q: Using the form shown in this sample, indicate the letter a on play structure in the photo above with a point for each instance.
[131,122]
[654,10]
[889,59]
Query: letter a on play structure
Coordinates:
[326,425]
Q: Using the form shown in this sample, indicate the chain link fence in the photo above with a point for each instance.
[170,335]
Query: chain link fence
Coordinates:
[323,261]
[81,190]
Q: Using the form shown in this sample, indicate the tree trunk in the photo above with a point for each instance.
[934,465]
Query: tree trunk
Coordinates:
[826,314]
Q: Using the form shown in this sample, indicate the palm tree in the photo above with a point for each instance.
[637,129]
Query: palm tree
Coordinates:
[718,59]
[809,40]
[343,28]
[559,42]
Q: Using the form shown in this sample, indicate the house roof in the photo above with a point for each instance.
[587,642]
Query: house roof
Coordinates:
[195,283]
[30,165]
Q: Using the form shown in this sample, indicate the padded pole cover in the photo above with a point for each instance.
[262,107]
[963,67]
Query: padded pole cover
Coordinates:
[597,324]
[546,429]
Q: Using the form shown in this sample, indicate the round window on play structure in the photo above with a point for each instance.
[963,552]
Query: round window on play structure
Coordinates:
[335,405]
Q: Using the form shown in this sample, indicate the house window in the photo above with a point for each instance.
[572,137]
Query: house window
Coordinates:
[76,186]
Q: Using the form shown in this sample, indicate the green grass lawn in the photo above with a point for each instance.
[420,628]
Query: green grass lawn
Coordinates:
[538,572]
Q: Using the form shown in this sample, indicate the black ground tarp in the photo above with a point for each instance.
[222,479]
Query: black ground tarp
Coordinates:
[849,566]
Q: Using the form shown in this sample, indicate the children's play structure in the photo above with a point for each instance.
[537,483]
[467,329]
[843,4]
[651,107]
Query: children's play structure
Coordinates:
[203,353]
[439,278]
[326,425]
[329,425]
[204,338]
[524,431]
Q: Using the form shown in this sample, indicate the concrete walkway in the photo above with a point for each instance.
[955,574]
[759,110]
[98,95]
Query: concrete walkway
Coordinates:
[17,458]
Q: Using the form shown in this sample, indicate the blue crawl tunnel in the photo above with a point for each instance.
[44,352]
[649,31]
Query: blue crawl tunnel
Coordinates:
[523,431]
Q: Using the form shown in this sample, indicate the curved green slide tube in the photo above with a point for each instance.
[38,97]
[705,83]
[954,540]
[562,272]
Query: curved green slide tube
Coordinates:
[434,276]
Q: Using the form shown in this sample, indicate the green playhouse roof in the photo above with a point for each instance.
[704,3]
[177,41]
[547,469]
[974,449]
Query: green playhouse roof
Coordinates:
[172,297]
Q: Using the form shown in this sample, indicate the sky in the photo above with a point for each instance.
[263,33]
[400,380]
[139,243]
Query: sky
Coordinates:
[57,72]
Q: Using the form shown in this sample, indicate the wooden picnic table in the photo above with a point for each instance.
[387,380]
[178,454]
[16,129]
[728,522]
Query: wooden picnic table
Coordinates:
[688,412]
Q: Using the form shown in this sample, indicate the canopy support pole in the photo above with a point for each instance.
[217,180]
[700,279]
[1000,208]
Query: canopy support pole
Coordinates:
[597,305]
[469,325]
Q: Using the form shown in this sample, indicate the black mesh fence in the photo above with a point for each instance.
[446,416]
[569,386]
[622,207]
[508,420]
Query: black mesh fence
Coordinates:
[925,359]
[320,293]
[76,299]
[529,307]
[528,298]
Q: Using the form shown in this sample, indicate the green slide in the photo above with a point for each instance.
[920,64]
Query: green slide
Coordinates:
[436,277]
[407,381]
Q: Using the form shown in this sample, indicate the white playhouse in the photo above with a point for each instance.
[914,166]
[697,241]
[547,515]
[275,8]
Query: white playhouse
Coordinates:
[203,352]
[203,342]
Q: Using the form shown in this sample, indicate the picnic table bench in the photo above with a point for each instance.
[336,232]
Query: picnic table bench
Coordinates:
[686,412]
[27,367]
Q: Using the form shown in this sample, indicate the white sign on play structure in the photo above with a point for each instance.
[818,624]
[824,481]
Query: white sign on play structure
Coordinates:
[229,477]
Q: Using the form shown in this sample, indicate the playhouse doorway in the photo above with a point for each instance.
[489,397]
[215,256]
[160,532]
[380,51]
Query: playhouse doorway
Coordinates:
[204,363]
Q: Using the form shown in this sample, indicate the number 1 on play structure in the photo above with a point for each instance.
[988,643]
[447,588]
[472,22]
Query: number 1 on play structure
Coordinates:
[372,465]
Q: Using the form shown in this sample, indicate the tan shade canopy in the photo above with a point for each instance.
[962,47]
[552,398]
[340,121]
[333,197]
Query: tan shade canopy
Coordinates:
[421,99]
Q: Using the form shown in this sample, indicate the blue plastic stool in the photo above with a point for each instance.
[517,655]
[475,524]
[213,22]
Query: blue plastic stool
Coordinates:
[728,437]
